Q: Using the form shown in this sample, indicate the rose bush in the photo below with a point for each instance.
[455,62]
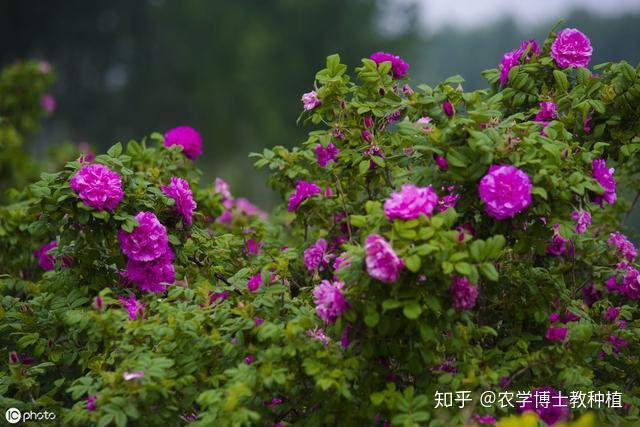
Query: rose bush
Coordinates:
[429,240]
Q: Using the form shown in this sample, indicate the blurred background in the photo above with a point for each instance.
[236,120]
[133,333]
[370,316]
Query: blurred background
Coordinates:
[235,70]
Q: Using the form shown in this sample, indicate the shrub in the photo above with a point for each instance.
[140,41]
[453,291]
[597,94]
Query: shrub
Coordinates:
[430,240]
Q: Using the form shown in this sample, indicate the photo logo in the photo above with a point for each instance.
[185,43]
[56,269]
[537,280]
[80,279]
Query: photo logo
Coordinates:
[13,415]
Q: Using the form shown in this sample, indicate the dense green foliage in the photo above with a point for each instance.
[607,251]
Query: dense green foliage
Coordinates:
[209,361]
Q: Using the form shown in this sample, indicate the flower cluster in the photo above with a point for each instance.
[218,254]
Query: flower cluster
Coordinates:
[411,202]
[303,191]
[505,190]
[399,68]
[45,260]
[571,48]
[511,59]
[315,256]
[382,262]
[582,220]
[329,301]
[187,137]
[326,155]
[98,186]
[624,246]
[180,192]
[464,294]
[134,307]
[148,252]
[605,178]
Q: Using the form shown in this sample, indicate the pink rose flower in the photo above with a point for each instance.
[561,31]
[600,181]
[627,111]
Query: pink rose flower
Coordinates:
[152,276]
[98,186]
[187,137]
[310,100]
[411,202]
[571,48]
[180,192]
[399,68]
[326,155]
[329,301]
[315,256]
[463,292]
[605,178]
[505,190]
[147,241]
[382,262]
[303,191]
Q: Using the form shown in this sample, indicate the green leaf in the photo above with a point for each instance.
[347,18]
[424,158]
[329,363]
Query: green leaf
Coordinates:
[412,310]
[115,150]
[413,263]
[489,271]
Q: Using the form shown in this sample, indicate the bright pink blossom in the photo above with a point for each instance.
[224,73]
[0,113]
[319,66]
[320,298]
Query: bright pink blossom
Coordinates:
[91,403]
[411,202]
[624,246]
[558,244]
[329,301]
[98,186]
[447,107]
[505,190]
[222,188]
[382,262]
[303,191]
[605,178]
[180,192]
[152,276]
[315,256]
[310,100]
[399,68]
[548,111]
[147,241]
[45,260]
[571,48]
[326,155]
[556,334]
[463,292]
[582,220]
[133,306]
[511,59]
[187,137]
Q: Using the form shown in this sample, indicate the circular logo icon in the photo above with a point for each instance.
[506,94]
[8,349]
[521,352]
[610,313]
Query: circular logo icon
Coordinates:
[13,415]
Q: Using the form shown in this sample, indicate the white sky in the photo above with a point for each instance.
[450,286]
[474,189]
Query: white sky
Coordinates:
[470,14]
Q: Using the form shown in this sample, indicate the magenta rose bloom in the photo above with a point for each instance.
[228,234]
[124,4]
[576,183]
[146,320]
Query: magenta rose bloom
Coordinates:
[326,155]
[582,220]
[505,190]
[624,246]
[45,261]
[180,192]
[303,191]
[133,306]
[548,111]
[315,256]
[310,100]
[447,107]
[152,276]
[511,59]
[556,334]
[329,301]
[399,68]
[146,242]
[48,103]
[411,202]
[463,292]
[571,48]
[605,178]
[98,186]
[382,262]
[551,406]
[187,137]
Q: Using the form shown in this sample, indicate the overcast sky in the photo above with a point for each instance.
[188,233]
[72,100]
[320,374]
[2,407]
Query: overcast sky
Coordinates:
[470,14]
